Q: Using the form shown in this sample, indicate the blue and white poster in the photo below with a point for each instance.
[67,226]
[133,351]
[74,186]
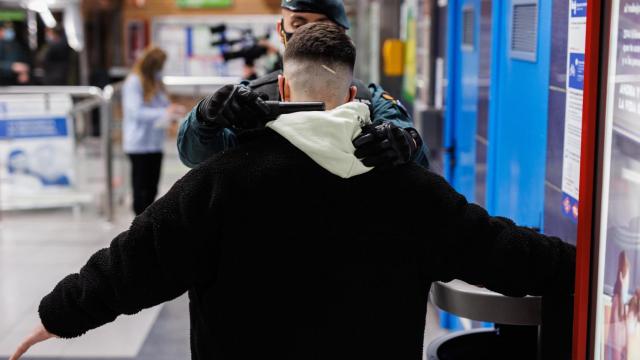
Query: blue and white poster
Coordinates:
[573,109]
[36,151]
[578,9]
[576,71]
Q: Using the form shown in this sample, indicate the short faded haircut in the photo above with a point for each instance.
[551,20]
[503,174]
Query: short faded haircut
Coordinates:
[319,61]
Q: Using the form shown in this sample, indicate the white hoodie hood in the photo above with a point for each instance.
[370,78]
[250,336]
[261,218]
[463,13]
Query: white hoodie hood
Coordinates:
[326,136]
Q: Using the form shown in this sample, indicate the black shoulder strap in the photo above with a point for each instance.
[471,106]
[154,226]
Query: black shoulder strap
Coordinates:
[267,84]
[363,95]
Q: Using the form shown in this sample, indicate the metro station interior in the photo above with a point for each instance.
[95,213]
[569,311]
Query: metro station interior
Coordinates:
[528,108]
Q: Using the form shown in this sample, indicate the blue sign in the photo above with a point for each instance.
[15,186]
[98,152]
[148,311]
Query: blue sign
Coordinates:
[33,128]
[576,71]
[578,8]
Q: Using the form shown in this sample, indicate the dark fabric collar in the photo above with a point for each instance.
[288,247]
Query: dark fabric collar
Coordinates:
[246,136]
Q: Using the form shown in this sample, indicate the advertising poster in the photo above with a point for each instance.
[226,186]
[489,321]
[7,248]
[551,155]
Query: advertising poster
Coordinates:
[36,151]
[573,108]
[618,319]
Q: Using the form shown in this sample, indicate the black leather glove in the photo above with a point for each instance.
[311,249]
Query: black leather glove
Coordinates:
[386,145]
[233,106]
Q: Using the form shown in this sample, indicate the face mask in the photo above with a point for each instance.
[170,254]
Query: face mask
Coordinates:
[9,34]
[286,36]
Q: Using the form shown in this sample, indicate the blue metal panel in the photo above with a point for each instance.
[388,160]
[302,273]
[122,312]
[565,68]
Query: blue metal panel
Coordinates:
[462,99]
[518,121]
[453,38]
[484,80]
[462,108]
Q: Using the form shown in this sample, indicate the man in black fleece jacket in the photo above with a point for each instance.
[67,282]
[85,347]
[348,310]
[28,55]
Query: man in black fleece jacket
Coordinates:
[281,257]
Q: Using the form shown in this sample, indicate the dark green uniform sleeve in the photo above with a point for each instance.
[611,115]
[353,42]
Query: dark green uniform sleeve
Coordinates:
[193,148]
[386,108]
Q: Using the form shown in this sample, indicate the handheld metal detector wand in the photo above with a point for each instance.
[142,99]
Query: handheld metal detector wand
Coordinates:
[277,108]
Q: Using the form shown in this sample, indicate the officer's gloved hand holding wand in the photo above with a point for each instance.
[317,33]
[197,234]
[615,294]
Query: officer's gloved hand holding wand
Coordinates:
[386,145]
[238,107]
[232,106]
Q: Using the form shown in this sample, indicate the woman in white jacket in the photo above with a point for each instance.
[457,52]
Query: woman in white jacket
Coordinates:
[147,111]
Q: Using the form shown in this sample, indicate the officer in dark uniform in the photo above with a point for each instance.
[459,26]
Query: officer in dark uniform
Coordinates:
[212,125]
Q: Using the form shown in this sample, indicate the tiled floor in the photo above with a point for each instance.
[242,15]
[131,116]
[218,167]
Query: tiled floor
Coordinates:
[38,248]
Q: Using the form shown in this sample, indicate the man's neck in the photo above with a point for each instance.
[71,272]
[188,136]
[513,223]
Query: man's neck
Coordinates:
[328,105]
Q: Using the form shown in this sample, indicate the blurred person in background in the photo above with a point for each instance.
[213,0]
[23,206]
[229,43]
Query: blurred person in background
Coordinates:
[14,60]
[147,113]
[215,122]
[55,58]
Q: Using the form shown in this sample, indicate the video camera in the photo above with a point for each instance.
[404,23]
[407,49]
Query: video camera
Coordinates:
[277,108]
[246,47]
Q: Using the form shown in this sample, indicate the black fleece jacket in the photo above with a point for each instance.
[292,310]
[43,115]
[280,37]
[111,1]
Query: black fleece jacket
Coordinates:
[283,260]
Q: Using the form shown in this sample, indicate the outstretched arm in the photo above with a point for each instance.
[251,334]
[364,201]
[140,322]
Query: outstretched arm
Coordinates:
[496,253]
[167,250]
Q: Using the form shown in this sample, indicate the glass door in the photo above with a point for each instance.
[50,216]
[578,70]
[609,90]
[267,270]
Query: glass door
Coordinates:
[617,305]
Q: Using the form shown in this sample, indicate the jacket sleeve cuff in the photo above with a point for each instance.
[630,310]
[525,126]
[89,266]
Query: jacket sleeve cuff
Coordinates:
[60,322]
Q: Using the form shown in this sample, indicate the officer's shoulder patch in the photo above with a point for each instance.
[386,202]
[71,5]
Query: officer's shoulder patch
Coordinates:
[387,96]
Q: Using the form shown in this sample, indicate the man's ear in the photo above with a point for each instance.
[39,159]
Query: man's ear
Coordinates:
[352,93]
[283,88]
[280,31]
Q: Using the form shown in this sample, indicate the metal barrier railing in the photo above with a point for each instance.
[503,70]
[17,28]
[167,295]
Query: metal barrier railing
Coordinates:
[96,98]
[103,99]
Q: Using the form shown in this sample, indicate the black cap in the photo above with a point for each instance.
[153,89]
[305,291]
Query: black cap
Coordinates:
[333,9]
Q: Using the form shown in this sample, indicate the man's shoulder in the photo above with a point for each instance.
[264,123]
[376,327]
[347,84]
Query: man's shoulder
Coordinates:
[252,144]
[388,106]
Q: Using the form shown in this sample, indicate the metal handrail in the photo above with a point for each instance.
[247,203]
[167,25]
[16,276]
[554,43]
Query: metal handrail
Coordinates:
[105,113]
[99,98]
[69,90]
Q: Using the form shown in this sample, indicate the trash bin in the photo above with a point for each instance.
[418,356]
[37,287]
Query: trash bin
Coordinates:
[501,343]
